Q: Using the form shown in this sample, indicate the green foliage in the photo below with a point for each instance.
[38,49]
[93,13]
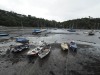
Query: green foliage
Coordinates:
[83,23]
[13,19]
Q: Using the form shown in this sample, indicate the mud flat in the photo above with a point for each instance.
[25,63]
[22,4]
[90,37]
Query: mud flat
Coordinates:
[85,61]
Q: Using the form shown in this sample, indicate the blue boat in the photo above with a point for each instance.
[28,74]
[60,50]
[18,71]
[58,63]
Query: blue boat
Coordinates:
[3,34]
[22,40]
[73,45]
[36,31]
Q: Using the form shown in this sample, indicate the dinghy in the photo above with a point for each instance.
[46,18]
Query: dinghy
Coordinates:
[34,51]
[73,45]
[64,46]
[45,51]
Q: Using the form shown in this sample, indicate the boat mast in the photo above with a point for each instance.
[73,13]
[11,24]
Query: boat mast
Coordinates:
[22,28]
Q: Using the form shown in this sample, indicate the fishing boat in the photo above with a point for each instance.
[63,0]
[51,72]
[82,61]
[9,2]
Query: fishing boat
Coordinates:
[19,48]
[34,51]
[45,51]
[73,45]
[64,46]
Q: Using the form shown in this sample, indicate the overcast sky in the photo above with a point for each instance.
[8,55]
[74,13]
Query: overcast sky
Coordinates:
[59,10]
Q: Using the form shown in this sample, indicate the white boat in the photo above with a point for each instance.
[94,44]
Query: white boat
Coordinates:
[64,46]
[73,45]
[45,51]
[34,51]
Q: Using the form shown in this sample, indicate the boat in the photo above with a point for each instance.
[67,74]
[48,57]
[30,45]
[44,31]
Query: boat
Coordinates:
[19,48]
[4,34]
[91,32]
[73,45]
[36,31]
[64,46]
[34,51]
[22,40]
[55,28]
[45,51]
[71,30]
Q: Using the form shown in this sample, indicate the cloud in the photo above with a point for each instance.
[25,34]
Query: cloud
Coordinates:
[59,10]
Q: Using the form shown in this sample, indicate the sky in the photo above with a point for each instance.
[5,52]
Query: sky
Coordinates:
[58,10]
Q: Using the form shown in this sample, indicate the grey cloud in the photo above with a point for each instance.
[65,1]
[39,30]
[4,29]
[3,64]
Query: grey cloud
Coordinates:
[59,10]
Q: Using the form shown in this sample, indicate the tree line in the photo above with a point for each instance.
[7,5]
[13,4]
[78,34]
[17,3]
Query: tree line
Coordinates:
[10,18]
[83,23]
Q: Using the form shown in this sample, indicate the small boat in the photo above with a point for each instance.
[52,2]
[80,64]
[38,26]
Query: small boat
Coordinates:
[91,33]
[73,46]
[45,51]
[71,30]
[34,51]
[22,40]
[19,48]
[3,34]
[64,46]
[36,31]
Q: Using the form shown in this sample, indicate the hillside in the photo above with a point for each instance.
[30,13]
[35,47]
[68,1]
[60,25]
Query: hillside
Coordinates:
[9,19]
